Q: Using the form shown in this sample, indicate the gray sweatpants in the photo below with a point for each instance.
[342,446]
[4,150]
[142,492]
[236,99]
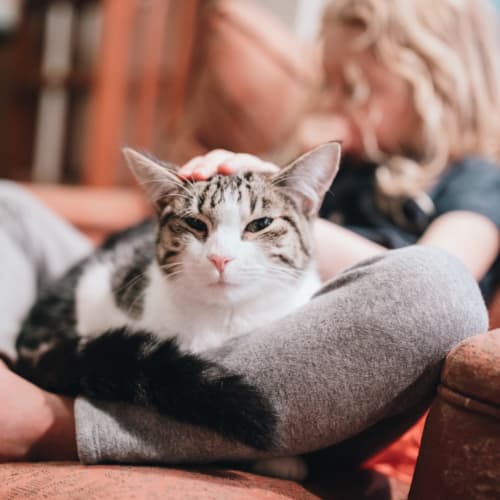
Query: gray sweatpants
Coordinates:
[346,373]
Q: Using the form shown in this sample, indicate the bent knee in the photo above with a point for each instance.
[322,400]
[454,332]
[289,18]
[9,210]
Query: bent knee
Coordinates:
[431,289]
[442,288]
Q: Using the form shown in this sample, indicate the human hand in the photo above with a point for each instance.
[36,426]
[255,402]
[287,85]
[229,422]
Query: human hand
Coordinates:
[221,161]
[34,424]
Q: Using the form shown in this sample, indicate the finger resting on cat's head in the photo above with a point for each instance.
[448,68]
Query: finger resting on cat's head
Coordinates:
[269,168]
[187,169]
[248,163]
[226,169]
[199,175]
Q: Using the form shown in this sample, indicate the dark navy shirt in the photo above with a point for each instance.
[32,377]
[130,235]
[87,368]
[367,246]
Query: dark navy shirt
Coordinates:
[471,184]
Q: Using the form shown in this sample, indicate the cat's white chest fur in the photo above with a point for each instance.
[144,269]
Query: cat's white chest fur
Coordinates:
[96,309]
[200,326]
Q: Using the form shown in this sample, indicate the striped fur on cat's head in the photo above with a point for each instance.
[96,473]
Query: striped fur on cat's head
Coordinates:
[230,238]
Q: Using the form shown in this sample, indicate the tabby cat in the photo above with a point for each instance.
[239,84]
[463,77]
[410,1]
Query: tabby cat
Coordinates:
[223,256]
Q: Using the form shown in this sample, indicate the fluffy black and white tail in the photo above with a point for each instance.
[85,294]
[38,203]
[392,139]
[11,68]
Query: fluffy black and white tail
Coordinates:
[137,368]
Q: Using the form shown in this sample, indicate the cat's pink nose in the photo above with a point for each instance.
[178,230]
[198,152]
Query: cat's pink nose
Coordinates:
[219,261]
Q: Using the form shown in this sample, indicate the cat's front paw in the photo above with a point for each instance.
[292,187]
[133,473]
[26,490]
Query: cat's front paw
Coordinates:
[292,468]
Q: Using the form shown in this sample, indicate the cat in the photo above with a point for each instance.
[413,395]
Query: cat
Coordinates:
[223,256]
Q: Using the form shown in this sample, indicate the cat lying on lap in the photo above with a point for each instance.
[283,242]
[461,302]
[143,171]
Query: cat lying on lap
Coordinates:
[224,256]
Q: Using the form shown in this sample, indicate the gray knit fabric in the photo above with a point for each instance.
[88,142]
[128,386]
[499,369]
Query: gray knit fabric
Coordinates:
[366,349]
[365,352]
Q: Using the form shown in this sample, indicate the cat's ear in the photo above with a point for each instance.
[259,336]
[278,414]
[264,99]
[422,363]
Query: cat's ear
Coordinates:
[157,179]
[308,177]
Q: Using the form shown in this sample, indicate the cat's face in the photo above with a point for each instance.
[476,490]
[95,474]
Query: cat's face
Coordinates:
[232,238]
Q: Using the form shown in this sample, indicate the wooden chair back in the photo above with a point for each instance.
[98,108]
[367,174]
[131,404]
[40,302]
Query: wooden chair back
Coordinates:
[166,22]
[85,77]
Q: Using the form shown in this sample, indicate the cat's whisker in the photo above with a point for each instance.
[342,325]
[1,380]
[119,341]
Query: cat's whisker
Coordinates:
[181,195]
[283,277]
[157,180]
[273,267]
[173,269]
[186,213]
[271,273]
[286,281]
[288,177]
[175,274]
[187,199]
[161,182]
[186,191]
[184,188]
[290,270]
[129,283]
[169,264]
[268,271]
[188,181]
[140,296]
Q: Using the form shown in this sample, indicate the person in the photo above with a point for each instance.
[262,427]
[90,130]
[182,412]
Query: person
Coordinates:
[411,89]
[412,86]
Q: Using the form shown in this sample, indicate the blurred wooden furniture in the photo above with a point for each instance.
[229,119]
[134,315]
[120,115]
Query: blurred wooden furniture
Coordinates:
[140,75]
[109,98]
[176,78]
[82,78]
[232,76]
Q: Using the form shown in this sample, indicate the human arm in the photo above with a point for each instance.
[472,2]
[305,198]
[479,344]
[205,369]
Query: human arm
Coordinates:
[467,220]
[338,248]
[469,236]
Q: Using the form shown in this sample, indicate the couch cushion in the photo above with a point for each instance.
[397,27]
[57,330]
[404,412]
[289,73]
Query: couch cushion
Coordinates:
[60,481]
[494,310]
[473,368]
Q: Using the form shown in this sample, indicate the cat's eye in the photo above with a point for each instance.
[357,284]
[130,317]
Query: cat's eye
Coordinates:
[258,224]
[196,224]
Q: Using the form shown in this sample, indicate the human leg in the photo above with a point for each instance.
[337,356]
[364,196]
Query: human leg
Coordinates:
[35,247]
[368,349]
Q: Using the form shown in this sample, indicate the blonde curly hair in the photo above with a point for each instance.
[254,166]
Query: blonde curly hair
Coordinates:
[448,52]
